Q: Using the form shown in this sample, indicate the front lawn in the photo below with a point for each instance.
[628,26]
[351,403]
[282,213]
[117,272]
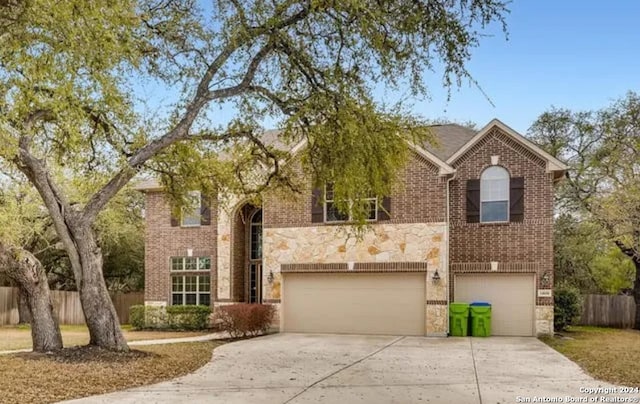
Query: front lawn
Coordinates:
[19,337]
[607,354]
[80,372]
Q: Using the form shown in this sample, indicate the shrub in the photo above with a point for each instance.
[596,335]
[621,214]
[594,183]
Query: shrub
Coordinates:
[567,307]
[136,316]
[155,317]
[188,317]
[244,319]
[174,317]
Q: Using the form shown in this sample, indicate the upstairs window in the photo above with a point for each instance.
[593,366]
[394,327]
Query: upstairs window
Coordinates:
[196,213]
[191,213]
[332,214]
[494,195]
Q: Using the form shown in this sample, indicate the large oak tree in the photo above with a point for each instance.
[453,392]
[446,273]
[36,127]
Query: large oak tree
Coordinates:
[602,149]
[70,98]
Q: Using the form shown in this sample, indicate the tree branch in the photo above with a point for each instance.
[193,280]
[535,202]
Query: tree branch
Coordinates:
[201,98]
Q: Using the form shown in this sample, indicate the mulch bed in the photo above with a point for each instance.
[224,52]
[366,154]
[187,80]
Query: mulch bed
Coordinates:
[88,353]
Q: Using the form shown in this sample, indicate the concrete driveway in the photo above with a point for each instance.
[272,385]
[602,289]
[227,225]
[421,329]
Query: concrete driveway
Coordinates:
[302,368]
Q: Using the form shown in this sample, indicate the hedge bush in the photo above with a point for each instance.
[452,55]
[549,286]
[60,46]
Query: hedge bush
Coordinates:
[567,307]
[188,317]
[170,317]
[136,317]
[244,319]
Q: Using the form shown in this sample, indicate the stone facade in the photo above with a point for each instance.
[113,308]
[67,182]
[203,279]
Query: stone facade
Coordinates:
[544,319]
[384,243]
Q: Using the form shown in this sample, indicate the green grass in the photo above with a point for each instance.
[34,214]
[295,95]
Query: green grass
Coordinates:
[607,354]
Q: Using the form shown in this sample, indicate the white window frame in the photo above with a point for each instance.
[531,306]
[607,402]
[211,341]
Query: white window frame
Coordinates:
[195,213]
[184,264]
[508,200]
[349,218]
[197,292]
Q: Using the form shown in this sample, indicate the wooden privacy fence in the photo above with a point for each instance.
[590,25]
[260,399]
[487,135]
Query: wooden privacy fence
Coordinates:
[66,304]
[608,311]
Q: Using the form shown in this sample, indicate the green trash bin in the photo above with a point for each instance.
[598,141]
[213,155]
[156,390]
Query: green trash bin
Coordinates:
[480,319]
[458,319]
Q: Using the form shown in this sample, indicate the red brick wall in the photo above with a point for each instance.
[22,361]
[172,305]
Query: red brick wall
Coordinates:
[163,242]
[518,247]
[419,197]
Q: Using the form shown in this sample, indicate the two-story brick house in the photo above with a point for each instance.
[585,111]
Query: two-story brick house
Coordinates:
[472,220]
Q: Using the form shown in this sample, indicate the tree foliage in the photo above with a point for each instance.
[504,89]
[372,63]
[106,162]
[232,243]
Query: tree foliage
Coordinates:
[603,184]
[603,151]
[585,258]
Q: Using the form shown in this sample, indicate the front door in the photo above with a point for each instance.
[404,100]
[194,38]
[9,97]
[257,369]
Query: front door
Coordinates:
[255,258]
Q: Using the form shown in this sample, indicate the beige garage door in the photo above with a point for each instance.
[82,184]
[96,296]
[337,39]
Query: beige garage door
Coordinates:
[357,303]
[511,297]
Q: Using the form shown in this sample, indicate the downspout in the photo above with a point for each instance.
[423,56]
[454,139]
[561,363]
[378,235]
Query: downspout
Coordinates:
[448,221]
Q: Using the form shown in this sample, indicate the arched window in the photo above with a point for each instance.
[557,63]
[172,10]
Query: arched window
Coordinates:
[494,195]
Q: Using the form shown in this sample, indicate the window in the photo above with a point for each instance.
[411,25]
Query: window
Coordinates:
[191,289]
[494,195]
[190,263]
[255,242]
[332,214]
[191,213]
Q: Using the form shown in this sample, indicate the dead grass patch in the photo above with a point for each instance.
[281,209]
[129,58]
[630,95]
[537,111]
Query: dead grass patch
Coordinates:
[85,371]
[607,354]
[19,337]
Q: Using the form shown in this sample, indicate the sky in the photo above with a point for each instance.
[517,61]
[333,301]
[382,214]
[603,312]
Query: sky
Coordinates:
[580,55]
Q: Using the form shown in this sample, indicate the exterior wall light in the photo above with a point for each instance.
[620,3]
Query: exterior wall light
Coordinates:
[546,280]
[270,277]
[436,277]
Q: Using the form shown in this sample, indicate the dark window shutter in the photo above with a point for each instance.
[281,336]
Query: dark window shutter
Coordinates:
[174,220]
[516,199]
[384,210]
[473,201]
[317,208]
[205,210]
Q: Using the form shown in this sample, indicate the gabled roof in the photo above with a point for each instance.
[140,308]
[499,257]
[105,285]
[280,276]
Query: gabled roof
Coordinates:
[444,168]
[553,164]
[449,138]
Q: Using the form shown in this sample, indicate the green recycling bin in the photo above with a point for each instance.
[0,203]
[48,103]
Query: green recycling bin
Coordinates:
[480,319]
[458,319]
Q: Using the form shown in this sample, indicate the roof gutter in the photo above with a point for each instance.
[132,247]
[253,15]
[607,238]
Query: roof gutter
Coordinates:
[446,255]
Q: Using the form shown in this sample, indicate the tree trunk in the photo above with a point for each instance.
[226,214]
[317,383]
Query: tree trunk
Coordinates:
[99,312]
[76,234]
[24,317]
[25,269]
[636,291]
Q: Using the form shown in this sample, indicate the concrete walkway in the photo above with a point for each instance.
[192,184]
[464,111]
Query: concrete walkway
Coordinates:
[302,368]
[207,337]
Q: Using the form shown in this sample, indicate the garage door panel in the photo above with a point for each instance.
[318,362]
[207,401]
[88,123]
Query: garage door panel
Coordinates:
[362,303]
[511,296]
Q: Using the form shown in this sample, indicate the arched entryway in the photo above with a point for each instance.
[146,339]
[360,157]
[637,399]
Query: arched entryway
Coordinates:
[246,255]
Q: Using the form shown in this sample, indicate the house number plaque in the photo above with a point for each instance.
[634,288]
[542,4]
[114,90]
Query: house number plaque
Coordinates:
[544,292]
